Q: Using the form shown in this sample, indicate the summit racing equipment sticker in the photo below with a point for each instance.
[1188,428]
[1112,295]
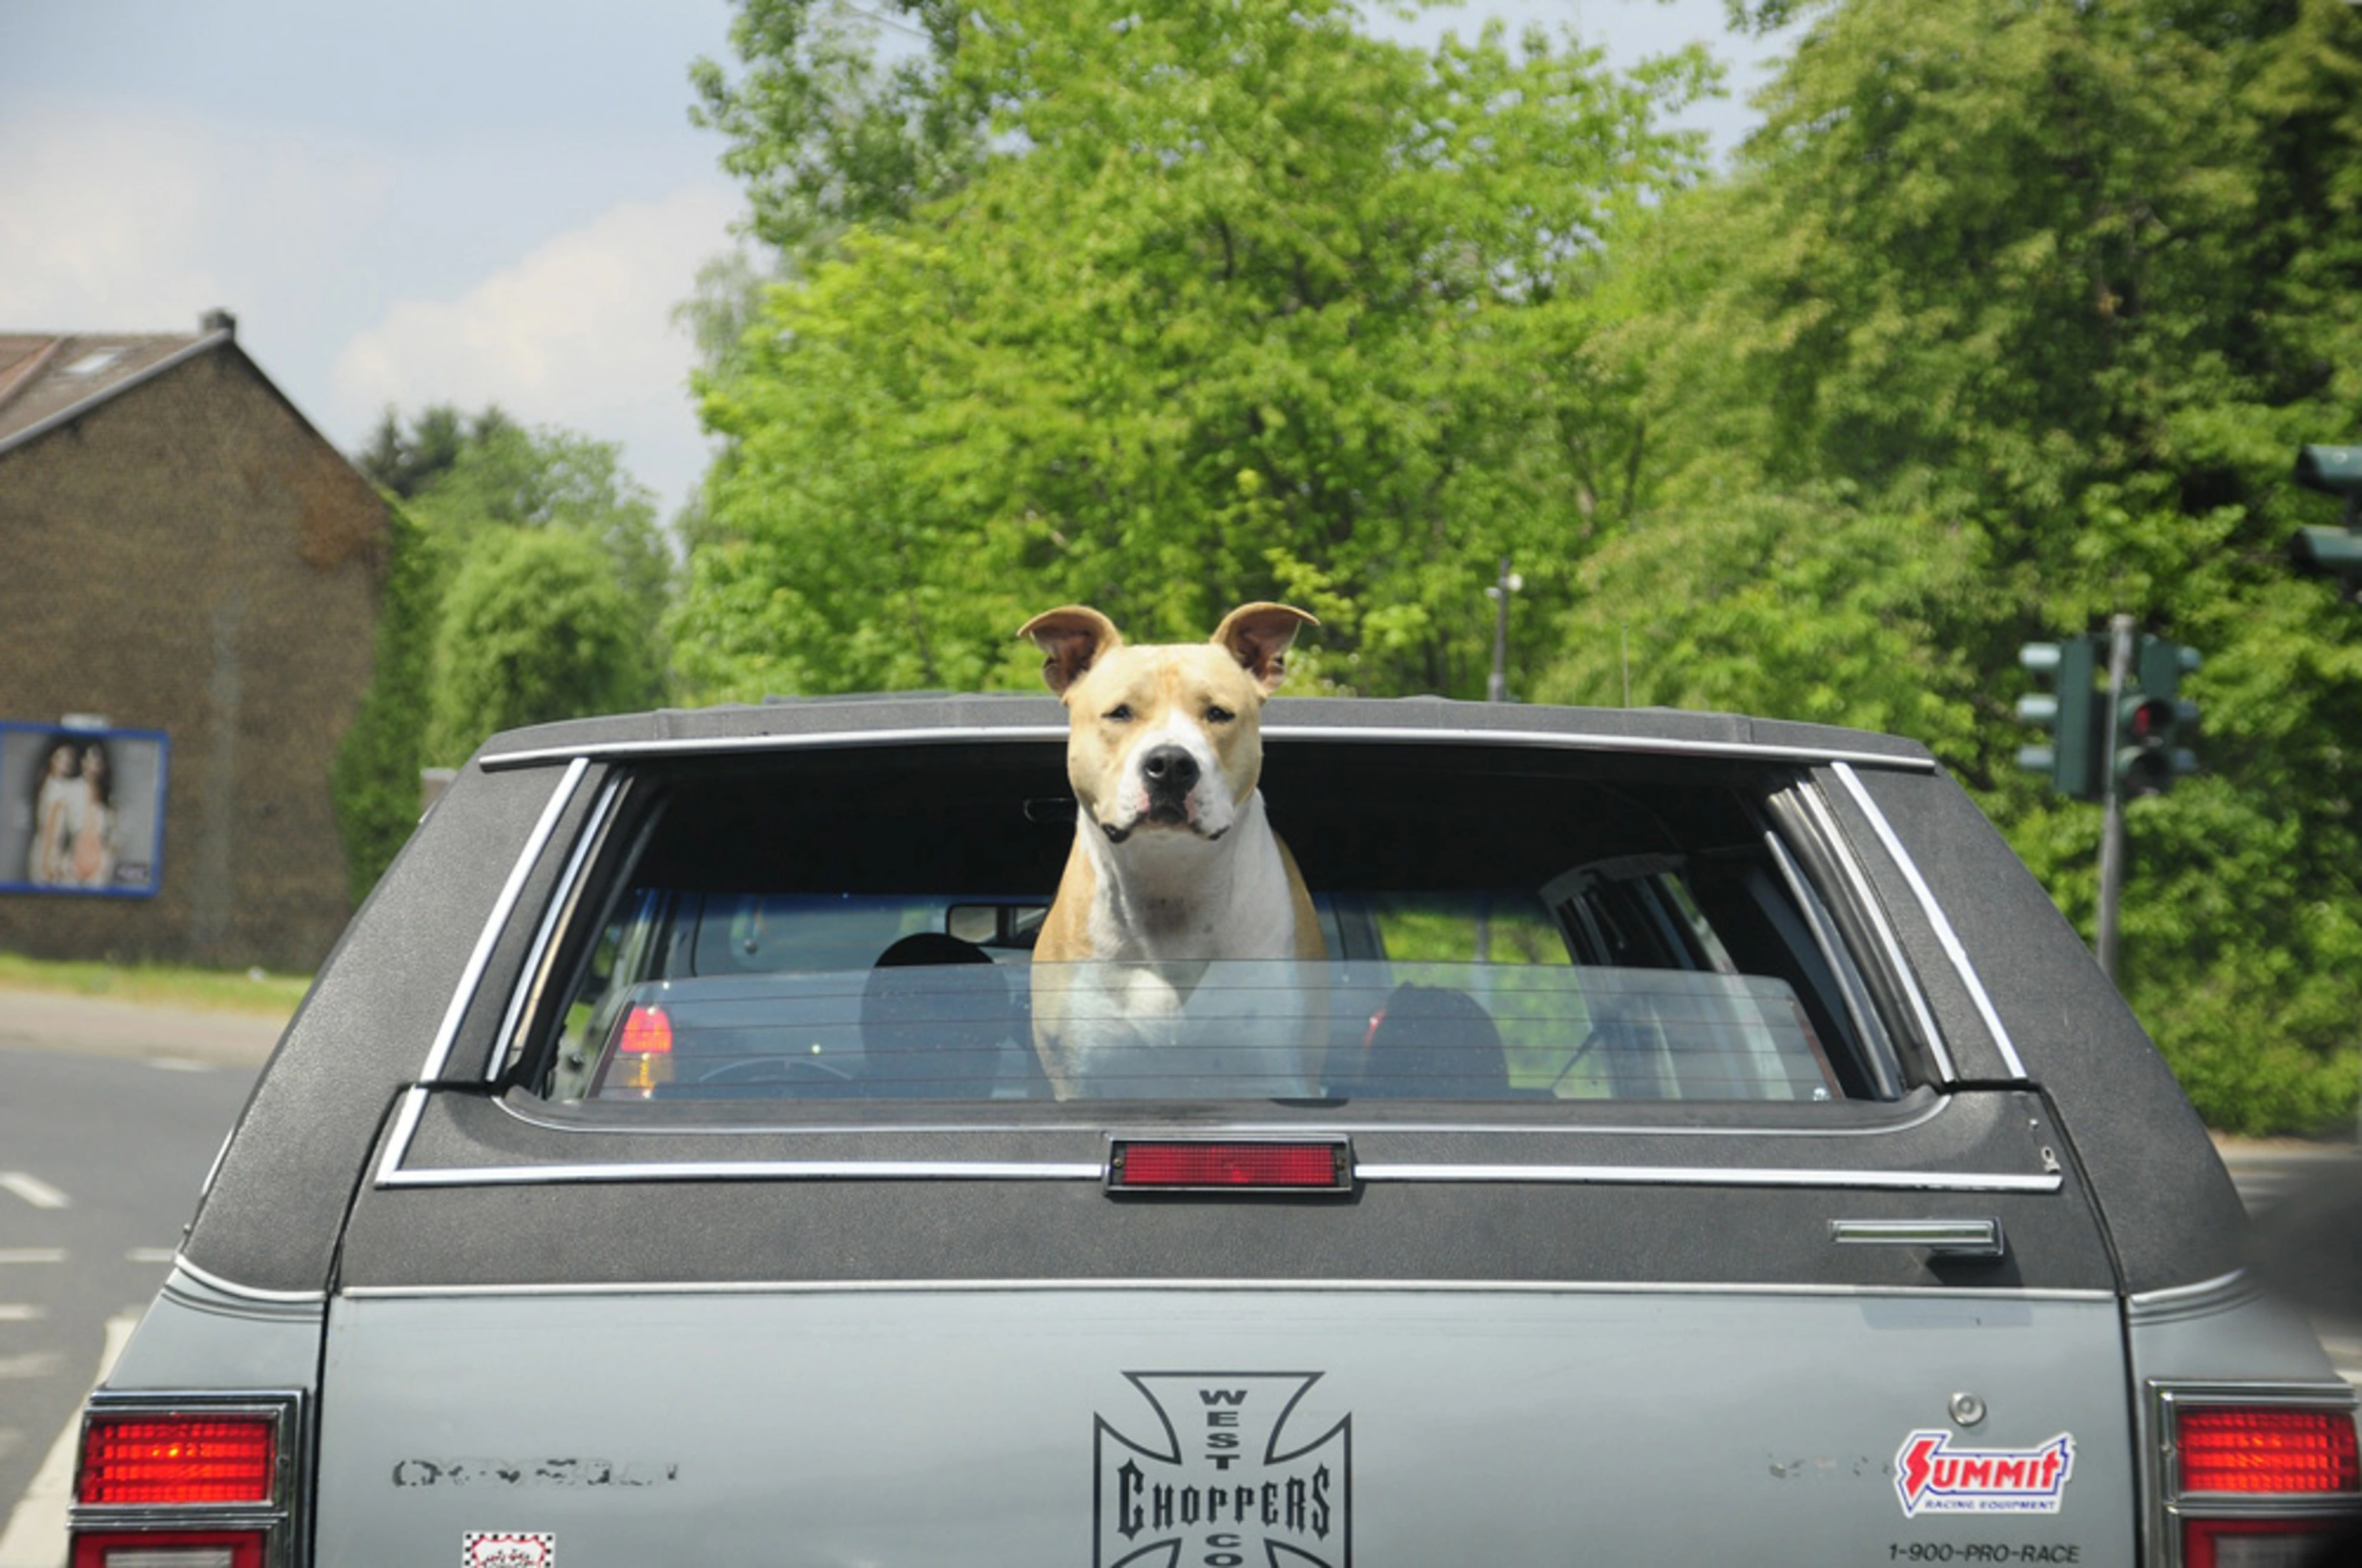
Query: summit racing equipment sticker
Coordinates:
[1934,1477]
[1220,1479]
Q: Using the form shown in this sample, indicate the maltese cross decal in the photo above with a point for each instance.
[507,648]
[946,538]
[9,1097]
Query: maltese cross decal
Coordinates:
[1213,1472]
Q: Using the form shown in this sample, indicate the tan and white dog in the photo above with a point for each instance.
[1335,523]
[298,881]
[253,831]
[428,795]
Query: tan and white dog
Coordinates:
[1174,863]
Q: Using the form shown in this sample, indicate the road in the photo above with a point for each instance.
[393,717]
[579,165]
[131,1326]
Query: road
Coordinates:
[109,1118]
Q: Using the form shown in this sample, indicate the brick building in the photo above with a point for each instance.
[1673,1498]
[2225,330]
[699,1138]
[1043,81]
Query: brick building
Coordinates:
[182,556]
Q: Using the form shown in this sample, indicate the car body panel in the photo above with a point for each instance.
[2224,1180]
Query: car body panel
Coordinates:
[845,1332]
[992,1427]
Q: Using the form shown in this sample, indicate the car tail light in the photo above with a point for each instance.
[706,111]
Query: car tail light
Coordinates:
[643,1050]
[178,1459]
[171,1548]
[2269,1448]
[196,1481]
[1315,1164]
[2257,1476]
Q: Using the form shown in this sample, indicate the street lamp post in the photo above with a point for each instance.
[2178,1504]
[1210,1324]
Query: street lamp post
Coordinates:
[1497,689]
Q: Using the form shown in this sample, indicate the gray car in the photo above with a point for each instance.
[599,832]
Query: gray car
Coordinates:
[1703,1143]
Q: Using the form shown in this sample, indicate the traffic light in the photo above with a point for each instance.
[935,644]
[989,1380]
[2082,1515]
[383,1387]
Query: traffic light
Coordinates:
[2071,711]
[2151,719]
[2332,552]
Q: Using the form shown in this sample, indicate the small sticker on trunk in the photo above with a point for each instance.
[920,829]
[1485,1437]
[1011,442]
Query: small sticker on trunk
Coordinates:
[1933,1477]
[509,1549]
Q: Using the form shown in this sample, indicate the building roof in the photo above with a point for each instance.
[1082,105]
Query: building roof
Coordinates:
[47,379]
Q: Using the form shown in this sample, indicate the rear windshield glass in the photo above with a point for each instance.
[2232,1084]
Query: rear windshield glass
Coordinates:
[1532,928]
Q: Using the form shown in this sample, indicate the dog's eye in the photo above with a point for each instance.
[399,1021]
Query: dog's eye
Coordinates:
[1121,714]
[1220,716]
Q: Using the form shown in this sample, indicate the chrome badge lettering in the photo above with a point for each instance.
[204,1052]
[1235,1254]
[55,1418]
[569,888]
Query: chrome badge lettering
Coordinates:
[1222,1481]
[1934,1477]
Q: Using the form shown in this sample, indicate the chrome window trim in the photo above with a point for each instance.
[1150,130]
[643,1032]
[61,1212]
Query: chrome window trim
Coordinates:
[1687,1176]
[230,1288]
[2202,1299]
[1880,1060]
[2098,1298]
[1945,935]
[438,1051]
[1889,939]
[560,902]
[1799,1177]
[947,734]
[1089,1117]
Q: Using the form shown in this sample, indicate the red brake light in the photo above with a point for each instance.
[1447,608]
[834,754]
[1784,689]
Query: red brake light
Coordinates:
[2289,1449]
[647,1030]
[167,1460]
[1238,1166]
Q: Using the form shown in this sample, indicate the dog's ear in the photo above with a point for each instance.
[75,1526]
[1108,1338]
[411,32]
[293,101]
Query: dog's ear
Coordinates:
[1072,637]
[1258,635]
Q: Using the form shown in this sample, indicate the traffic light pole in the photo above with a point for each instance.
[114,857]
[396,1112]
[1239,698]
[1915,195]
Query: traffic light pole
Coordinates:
[2111,832]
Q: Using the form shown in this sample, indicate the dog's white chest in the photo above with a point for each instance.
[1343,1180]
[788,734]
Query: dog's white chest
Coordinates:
[1234,1027]
[1161,902]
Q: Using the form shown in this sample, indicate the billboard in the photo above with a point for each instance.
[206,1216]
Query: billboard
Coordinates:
[81,811]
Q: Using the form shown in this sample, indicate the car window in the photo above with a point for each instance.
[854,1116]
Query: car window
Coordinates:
[841,931]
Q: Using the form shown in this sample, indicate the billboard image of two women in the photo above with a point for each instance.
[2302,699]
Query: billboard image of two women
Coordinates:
[81,811]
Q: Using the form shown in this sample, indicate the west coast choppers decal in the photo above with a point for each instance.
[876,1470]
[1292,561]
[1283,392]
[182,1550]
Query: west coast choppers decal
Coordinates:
[1934,1477]
[1220,1479]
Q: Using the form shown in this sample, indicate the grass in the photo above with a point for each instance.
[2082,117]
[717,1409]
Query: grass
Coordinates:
[226,990]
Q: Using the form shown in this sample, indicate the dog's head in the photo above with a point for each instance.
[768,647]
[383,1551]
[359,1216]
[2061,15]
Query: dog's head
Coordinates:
[1165,739]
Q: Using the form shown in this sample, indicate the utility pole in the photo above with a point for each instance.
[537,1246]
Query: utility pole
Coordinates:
[2111,832]
[1496,690]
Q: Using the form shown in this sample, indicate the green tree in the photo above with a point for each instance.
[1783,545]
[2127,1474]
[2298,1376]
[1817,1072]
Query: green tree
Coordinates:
[406,461]
[533,627]
[466,486]
[374,780]
[1244,302]
[2042,294]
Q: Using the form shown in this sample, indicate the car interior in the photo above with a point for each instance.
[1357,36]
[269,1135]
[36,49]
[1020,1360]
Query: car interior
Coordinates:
[1501,925]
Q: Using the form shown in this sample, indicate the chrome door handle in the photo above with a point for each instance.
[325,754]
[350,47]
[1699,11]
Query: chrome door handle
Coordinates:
[1941,1238]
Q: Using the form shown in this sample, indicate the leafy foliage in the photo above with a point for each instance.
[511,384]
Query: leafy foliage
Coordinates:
[2006,321]
[374,780]
[1246,304]
[468,487]
[2046,294]
[534,627]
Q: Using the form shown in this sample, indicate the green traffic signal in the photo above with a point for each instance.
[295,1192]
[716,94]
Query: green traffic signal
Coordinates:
[2335,470]
[2069,711]
[2332,552]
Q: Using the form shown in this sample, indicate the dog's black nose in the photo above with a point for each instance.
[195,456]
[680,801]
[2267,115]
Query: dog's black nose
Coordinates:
[1169,770]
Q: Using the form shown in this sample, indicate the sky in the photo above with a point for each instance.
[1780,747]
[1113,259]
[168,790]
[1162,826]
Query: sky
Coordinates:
[444,200]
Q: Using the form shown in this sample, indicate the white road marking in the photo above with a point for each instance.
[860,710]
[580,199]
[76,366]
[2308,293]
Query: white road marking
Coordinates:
[32,1189]
[35,1536]
[32,1255]
[151,1254]
[34,1364]
[20,1312]
[178,1065]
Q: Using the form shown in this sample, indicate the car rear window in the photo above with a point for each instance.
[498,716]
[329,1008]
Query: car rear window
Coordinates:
[1499,925]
